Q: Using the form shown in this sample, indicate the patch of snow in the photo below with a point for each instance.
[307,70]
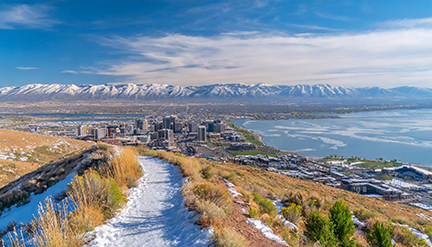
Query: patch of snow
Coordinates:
[244,211]
[285,222]
[231,188]
[357,222]
[267,231]
[25,213]
[155,214]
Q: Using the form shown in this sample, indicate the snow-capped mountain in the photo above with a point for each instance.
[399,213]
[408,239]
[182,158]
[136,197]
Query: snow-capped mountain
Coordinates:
[38,92]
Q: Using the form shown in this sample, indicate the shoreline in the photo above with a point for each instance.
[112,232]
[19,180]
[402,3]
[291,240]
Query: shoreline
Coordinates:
[417,166]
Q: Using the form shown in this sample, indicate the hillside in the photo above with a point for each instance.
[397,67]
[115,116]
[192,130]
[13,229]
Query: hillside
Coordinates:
[251,187]
[60,92]
[22,152]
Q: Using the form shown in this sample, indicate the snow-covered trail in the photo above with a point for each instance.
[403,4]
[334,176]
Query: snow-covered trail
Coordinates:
[155,214]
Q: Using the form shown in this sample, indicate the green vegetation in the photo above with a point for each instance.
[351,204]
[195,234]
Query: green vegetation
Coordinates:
[341,217]
[367,163]
[364,215]
[379,164]
[319,228]
[250,136]
[265,205]
[292,213]
[380,235]
[252,152]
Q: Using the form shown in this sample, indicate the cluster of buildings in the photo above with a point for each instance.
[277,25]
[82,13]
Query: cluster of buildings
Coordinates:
[214,139]
[409,183]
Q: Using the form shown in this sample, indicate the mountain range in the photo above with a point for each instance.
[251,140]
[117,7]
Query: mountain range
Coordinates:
[46,92]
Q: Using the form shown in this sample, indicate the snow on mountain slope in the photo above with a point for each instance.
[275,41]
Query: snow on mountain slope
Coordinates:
[39,92]
[155,214]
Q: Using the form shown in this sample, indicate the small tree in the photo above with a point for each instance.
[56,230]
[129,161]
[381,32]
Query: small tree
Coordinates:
[341,217]
[292,213]
[380,235]
[319,228]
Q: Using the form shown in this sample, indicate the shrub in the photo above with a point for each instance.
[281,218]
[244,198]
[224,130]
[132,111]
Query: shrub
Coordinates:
[210,210]
[253,213]
[296,198]
[101,145]
[319,228]
[405,236]
[228,237]
[363,215]
[399,220]
[341,217]
[290,236]
[380,235]
[265,205]
[428,230]
[292,213]
[212,193]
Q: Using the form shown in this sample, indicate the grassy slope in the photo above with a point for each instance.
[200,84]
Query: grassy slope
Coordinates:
[25,149]
[378,164]
[275,186]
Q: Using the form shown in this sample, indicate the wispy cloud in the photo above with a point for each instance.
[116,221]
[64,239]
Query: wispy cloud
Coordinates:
[392,57]
[408,23]
[26,16]
[26,68]
[313,27]
[334,17]
[69,72]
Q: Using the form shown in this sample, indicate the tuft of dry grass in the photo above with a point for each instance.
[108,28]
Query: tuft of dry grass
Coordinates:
[124,168]
[52,227]
[228,237]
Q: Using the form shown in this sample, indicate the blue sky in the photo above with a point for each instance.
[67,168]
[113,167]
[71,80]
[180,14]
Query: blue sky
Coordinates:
[349,43]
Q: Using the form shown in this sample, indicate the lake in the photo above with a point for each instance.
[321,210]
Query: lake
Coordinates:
[404,135]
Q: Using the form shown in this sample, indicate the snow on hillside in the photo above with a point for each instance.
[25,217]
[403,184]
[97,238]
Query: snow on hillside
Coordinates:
[155,214]
[25,212]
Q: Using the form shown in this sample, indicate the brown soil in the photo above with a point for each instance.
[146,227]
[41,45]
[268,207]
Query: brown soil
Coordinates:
[237,220]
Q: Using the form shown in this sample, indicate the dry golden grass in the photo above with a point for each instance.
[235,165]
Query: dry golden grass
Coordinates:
[124,168]
[228,237]
[29,151]
[11,170]
[95,198]
[16,141]
[269,184]
[52,227]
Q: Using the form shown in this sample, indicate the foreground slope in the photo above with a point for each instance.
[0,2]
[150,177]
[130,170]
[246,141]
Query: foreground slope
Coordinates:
[22,152]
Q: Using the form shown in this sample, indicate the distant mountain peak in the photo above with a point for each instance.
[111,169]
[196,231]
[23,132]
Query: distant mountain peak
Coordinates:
[131,91]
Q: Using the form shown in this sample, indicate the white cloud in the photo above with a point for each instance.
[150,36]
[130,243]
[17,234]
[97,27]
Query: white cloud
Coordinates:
[69,71]
[377,58]
[334,17]
[26,16]
[26,68]
[408,23]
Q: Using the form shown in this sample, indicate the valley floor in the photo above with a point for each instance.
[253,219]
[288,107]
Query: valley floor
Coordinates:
[155,214]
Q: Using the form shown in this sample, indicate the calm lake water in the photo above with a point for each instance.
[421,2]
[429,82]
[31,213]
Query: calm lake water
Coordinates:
[404,135]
